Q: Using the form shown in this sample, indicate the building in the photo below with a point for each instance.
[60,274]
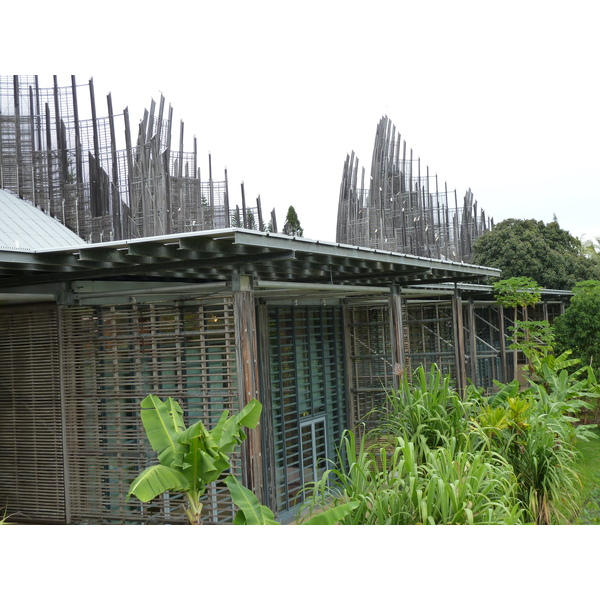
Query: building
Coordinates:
[316,331]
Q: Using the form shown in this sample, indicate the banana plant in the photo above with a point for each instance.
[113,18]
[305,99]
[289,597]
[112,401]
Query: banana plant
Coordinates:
[189,458]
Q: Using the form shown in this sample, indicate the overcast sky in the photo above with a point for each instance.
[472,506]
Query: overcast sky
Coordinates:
[502,100]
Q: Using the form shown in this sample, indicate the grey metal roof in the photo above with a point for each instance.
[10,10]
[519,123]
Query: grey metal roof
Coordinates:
[218,255]
[25,227]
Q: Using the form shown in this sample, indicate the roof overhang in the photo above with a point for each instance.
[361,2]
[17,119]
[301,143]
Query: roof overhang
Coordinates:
[212,257]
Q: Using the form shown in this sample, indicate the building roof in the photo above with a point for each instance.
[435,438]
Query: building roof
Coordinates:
[25,227]
[218,255]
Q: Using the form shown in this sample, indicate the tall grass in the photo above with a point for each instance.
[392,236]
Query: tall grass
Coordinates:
[426,409]
[437,457]
[395,488]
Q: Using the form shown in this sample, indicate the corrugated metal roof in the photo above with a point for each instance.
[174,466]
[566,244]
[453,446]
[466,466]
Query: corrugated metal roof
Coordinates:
[25,227]
[222,255]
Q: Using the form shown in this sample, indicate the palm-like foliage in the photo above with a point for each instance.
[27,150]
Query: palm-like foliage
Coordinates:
[189,458]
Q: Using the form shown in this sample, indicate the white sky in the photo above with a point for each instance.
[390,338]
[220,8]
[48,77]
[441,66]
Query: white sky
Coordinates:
[501,98]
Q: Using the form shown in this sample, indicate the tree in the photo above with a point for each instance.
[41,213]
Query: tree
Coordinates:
[578,329]
[519,292]
[591,249]
[292,223]
[545,252]
[250,220]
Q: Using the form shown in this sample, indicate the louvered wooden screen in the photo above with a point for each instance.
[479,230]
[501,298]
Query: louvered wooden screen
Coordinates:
[307,394]
[485,337]
[372,370]
[31,456]
[429,328]
[115,356]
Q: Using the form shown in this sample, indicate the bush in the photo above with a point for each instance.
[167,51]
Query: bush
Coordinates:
[578,329]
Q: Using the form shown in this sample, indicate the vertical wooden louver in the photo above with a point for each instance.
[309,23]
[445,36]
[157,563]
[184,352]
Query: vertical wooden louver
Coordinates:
[307,395]
[31,456]
[116,355]
[371,362]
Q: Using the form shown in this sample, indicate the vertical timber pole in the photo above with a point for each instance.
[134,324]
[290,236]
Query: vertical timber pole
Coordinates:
[472,343]
[246,348]
[501,328]
[266,421]
[397,333]
[459,341]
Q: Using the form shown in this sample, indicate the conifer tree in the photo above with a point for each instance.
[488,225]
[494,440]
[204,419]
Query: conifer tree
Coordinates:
[292,223]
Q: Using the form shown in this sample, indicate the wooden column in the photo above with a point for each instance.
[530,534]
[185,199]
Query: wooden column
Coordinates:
[502,331]
[396,332]
[114,188]
[473,343]
[248,377]
[348,367]
[19,156]
[266,421]
[459,341]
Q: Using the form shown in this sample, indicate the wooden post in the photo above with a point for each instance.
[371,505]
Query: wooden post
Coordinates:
[78,153]
[19,156]
[472,342]
[459,341]
[248,377]
[396,331]
[132,211]
[266,421]
[244,220]
[261,225]
[115,196]
[501,327]
[49,206]
[348,367]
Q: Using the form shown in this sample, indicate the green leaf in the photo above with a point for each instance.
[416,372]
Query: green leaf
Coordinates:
[250,414]
[161,421]
[175,412]
[334,515]
[229,433]
[156,480]
[251,511]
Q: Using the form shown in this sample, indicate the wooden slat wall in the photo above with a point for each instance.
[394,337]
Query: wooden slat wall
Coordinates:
[307,385]
[371,360]
[116,356]
[430,332]
[31,458]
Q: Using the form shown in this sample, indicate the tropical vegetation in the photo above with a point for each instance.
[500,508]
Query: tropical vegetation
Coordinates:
[544,252]
[191,458]
[578,329]
[440,457]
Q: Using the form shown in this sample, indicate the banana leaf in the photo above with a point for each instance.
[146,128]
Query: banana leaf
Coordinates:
[251,511]
[332,516]
[156,480]
[228,433]
[163,423]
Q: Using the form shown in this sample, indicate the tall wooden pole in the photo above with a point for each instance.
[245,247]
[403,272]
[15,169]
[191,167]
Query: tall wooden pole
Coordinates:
[248,377]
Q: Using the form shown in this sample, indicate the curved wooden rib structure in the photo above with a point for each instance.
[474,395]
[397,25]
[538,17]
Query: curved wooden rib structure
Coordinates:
[57,153]
[403,209]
